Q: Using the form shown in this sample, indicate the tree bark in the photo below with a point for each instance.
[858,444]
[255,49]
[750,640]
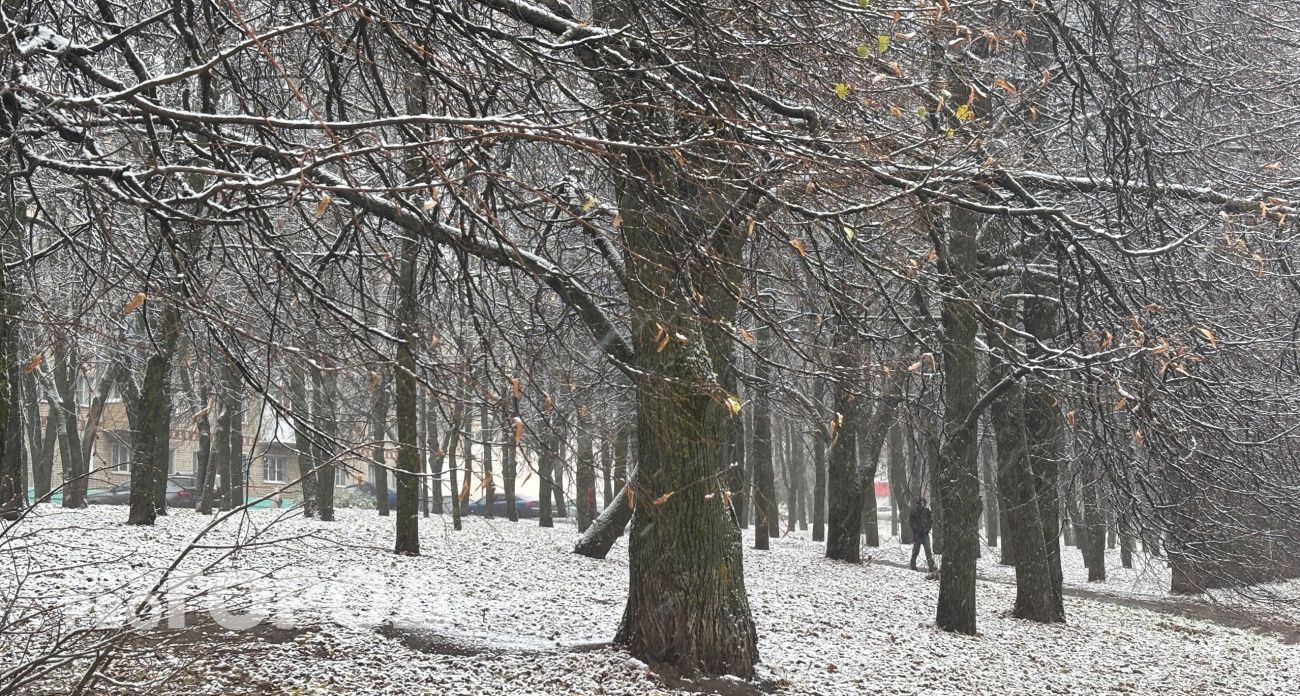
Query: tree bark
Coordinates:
[766,519]
[407,534]
[1042,433]
[325,396]
[152,442]
[378,436]
[1023,545]
[601,535]
[900,484]
[546,456]
[75,469]
[843,478]
[819,464]
[585,478]
[958,479]
[302,438]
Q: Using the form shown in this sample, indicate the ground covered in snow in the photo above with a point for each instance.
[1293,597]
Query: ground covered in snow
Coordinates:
[269,602]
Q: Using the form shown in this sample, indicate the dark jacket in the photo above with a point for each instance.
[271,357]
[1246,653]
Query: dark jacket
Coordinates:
[921,520]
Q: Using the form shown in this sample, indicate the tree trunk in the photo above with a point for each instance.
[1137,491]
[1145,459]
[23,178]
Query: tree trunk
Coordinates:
[819,464]
[239,463]
[407,534]
[486,430]
[75,469]
[557,475]
[585,477]
[546,465]
[325,397]
[766,519]
[793,473]
[378,455]
[843,478]
[302,438]
[607,528]
[900,486]
[509,459]
[1095,520]
[989,489]
[958,479]
[606,470]
[219,454]
[152,443]
[436,455]
[13,489]
[1042,433]
[1023,545]
[43,468]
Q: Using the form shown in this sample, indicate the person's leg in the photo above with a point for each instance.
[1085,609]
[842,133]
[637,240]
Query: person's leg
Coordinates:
[916,550]
[929,557]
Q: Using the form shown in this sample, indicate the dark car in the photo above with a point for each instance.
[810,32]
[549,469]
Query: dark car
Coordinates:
[181,493]
[526,507]
[368,489]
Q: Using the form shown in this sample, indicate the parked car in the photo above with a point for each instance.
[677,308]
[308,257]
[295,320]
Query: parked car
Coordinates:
[526,507]
[182,492]
[367,489]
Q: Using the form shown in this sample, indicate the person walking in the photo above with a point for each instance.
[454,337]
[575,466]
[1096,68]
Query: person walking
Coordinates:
[921,520]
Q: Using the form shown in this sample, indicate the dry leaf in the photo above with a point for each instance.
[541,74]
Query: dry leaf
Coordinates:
[519,430]
[322,205]
[664,498]
[799,246]
[134,303]
[34,363]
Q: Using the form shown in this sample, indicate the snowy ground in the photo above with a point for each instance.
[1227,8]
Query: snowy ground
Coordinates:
[515,613]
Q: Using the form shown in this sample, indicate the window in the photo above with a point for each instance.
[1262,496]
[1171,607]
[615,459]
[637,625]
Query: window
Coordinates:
[275,468]
[341,476]
[247,465]
[194,462]
[171,461]
[120,458]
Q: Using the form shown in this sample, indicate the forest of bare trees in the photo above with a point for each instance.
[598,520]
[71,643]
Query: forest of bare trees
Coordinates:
[699,274]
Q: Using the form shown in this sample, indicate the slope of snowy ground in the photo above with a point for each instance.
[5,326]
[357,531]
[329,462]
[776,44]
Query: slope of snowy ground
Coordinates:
[514,610]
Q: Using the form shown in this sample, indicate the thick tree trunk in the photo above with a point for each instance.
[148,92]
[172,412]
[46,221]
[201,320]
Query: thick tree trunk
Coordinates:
[843,478]
[958,479]
[407,535]
[325,397]
[43,468]
[509,458]
[900,483]
[1095,520]
[546,456]
[1043,429]
[239,459]
[600,537]
[152,443]
[1023,545]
